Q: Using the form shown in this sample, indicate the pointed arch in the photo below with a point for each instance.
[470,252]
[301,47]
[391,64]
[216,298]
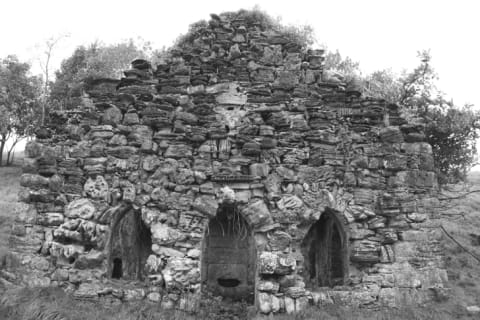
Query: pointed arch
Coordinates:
[129,245]
[325,251]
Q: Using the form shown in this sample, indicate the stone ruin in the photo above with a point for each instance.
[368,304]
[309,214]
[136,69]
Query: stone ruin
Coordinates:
[238,168]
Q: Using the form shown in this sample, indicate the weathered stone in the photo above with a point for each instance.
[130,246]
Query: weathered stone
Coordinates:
[50,219]
[131,118]
[259,169]
[154,296]
[33,181]
[257,214]
[122,152]
[162,234]
[268,262]
[365,251]
[268,286]
[97,189]
[206,204]
[81,208]
[473,309]
[290,202]
[279,240]
[178,152]
[185,176]
[265,302]
[33,149]
[289,305]
[112,115]
[87,291]
[153,264]
[391,135]
[167,252]
[133,294]
[90,260]
[150,163]
[272,55]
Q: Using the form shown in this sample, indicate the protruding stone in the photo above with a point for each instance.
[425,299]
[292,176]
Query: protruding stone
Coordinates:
[162,234]
[257,214]
[112,115]
[265,302]
[81,208]
[97,189]
[206,204]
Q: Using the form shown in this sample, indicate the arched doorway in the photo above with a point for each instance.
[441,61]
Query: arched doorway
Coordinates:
[228,260]
[325,251]
[130,244]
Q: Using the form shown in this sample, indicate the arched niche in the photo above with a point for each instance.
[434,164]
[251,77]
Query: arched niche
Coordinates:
[229,256]
[325,252]
[129,245]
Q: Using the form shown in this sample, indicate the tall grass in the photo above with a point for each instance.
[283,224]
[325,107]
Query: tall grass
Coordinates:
[54,304]
[9,187]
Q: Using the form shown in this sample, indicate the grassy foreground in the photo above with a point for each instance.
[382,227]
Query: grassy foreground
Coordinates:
[460,217]
[54,304]
[9,187]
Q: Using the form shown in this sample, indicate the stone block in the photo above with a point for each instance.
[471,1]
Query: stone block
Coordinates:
[178,151]
[163,234]
[391,134]
[206,204]
[96,189]
[80,208]
[257,214]
[268,286]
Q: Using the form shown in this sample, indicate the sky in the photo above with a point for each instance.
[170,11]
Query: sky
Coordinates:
[378,34]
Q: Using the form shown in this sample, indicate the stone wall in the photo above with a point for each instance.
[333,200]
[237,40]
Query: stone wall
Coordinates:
[335,191]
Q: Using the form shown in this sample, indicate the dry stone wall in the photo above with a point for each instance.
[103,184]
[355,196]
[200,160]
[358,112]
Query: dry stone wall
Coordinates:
[327,196]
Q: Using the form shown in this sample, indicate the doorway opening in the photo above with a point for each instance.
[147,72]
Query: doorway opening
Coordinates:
[325,251]
[228,260]
[130,244]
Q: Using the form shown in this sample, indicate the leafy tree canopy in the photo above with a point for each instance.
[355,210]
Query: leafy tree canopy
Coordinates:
[450,129]
[94,61]
[19,101]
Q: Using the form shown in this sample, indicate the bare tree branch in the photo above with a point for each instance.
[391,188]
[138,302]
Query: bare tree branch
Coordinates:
[460,196]
[460,245]
[49,47]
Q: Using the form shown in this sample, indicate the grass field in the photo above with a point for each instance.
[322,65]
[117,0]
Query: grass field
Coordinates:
[460,217]
[9,187]
[54,304]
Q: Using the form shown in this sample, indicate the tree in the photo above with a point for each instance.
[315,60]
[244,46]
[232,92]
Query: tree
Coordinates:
[19,103]
[95,61]
[49,47]
[451,130]
[345,65]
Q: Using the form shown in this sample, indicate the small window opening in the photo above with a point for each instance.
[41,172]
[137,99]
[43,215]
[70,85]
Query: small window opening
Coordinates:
[228,283]
[117,268]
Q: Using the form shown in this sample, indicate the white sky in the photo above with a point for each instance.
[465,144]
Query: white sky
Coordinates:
[378,34]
